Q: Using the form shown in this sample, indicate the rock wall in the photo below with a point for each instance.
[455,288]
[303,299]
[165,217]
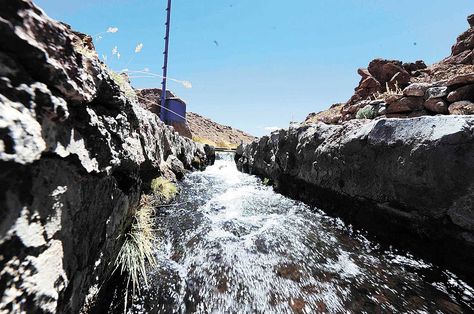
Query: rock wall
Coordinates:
[409,181]
[76,151]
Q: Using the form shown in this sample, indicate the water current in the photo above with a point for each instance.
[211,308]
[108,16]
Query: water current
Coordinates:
[230,244]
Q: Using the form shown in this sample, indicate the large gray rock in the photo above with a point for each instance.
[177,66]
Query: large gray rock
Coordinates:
[407,180]
[76,150]
[416,89]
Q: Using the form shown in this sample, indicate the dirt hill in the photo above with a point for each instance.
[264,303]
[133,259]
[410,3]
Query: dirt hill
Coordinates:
[209,132]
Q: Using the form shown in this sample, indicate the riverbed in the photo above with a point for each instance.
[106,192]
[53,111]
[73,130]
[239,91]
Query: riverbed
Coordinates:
[230,244]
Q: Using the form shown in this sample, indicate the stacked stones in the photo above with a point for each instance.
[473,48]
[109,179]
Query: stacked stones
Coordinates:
[392,89]
[454,96]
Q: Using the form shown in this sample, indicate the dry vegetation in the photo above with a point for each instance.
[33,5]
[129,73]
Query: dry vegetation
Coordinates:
[139,241]
[137,248]
[218,144]
[164,190]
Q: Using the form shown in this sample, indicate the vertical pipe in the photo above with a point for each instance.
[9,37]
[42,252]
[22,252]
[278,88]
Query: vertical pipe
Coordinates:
[165,64]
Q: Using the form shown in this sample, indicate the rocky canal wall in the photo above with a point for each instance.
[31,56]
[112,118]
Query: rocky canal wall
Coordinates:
[76,152]
[408,181]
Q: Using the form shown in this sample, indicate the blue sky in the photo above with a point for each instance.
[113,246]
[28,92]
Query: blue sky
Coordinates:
[275,60]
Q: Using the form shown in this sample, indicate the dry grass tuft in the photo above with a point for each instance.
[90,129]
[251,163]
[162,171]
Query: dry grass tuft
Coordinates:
[389,92]
[137,249]
[203,140]
[163,189]
[123,84]
[219,144]
[226,145]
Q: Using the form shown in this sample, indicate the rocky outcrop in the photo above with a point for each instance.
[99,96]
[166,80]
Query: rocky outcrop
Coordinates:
[409,181]
[390,88]
[76,150]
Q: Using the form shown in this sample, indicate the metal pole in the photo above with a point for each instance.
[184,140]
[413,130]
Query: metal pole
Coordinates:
[165,64]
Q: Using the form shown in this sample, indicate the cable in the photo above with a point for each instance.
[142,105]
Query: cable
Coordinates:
[155,103]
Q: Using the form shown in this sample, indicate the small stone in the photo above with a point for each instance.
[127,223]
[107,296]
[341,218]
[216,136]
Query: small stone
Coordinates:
[381,109]
[437,105]
[406,104]
[461,80]
[437,92]
[461,108]
[462,93]
[416,89]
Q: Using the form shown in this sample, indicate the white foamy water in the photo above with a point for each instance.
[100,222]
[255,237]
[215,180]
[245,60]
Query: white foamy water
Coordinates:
[235,246]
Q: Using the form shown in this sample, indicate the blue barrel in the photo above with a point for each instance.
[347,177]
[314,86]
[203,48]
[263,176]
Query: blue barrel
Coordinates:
[176,112]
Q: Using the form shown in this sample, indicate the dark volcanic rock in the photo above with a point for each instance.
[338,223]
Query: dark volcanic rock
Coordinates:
[462,93]
[410,181]
[76,150]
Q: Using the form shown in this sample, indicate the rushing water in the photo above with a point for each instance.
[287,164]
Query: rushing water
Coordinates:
[232,245]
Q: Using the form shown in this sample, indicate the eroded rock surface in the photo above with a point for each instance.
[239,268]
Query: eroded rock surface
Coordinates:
[410,181]
[76,150]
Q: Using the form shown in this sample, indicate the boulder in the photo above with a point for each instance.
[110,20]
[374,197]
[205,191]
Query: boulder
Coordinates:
[463,79]
[368,87]
[416,89]
[385,71]
[413,67]
[461,108]
[462,93]
[437,92]
[406,104]
[436,105]
[176,166]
